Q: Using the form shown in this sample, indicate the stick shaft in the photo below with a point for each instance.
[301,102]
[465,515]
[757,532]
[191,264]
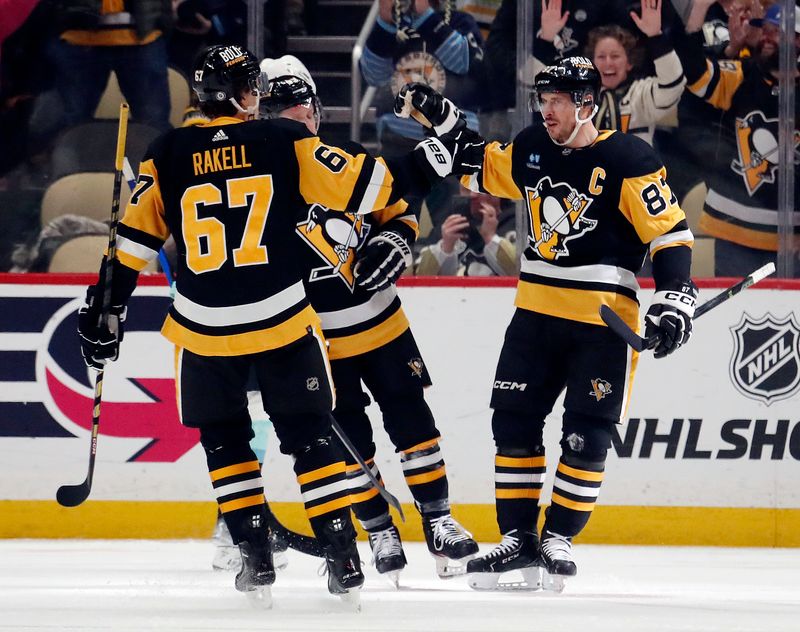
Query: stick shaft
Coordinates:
[72,495]
[352,450]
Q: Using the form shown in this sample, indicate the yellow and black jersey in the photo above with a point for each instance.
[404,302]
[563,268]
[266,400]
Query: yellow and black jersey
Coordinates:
[354,320]
[741,174]
[593,215]
[228,191]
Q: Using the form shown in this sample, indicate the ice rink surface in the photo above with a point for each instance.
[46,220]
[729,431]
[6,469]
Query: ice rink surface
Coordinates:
[91,585]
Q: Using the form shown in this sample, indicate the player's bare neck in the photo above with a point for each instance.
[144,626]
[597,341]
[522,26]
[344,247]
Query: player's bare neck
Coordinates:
[586,136]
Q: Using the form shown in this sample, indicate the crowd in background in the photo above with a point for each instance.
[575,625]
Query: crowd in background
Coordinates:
[697,80]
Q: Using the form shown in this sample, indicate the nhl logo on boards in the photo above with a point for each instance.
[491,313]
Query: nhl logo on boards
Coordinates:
[766,358]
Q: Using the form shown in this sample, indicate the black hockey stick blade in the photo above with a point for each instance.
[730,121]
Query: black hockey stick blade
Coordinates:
[388,497]
[73,495]
[302,543]
[637,343]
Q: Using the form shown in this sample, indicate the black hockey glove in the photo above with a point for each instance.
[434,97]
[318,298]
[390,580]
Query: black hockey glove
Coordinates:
[670,316]
[429,108]
[99,343]
[458,153]
[382,261]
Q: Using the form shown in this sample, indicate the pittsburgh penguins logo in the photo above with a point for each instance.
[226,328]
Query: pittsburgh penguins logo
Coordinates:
[557,213]
[757,145]
[600,388]
[335,237]
[416,365]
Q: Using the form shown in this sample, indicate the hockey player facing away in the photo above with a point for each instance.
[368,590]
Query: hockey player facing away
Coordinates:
[350,265]
[227,191]
[598,203]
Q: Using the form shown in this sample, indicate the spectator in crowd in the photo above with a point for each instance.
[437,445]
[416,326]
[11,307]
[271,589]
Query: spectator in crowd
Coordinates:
[470,243]
[423,40]
[100,36]
[484,12]
[741,207]
[575,19]
[412,41]
[628,104]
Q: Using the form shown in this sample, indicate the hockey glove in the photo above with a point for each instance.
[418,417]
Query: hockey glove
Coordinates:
[670,316]
[429,108]
[382,261]
[458,153]
[99,343]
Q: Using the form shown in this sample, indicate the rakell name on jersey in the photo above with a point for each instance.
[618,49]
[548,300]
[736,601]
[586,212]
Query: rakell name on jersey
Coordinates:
[219,159]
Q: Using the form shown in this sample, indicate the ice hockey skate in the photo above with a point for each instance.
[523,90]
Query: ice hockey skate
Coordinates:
[226,553]
[387,553]
[257,573]
[450,544]
[557,560]
[514,564]
[342,562]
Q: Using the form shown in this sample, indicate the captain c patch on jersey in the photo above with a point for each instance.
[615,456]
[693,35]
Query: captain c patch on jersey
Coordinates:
[757,146]
[557,212]
[334,237]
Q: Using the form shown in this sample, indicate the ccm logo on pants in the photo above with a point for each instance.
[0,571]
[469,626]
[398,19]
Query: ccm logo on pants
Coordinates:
[510,386]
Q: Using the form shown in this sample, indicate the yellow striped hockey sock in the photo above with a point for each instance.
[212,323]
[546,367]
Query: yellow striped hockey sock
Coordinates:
[426,477]
[575,492]
[240,494]
[368,505]
[518,484]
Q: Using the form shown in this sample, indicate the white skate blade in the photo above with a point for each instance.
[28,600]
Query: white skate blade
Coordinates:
[260,598]
[447,568]
[524,579]
[352,599]
[554,583]
[393,577]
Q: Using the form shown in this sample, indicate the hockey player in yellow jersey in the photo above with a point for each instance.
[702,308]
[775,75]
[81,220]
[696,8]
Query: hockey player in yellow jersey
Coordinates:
[597,203]
[227,192]
[350,264]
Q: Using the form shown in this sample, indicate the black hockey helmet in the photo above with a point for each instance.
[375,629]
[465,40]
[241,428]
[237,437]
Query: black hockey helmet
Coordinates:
[221,73]
[576,76]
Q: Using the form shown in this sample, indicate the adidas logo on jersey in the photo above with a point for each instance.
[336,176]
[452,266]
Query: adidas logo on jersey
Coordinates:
[220,135]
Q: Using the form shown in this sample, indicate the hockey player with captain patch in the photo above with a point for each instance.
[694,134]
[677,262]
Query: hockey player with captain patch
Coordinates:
[350,266]
[597,203]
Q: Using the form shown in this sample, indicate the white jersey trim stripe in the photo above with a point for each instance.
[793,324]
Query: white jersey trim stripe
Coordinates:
[533,478]
[326,490]
[422,461]
[373,188]
[750,214]
[671,238]
[349,316]
[135,249]
[585,492]
[595,273]
[241,486]
[240,314]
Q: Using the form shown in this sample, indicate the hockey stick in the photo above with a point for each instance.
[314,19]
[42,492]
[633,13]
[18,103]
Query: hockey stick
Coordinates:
[620,327]
[74,495]
[387,495]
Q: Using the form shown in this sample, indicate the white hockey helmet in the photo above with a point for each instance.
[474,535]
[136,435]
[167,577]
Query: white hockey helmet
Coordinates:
[288,84]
